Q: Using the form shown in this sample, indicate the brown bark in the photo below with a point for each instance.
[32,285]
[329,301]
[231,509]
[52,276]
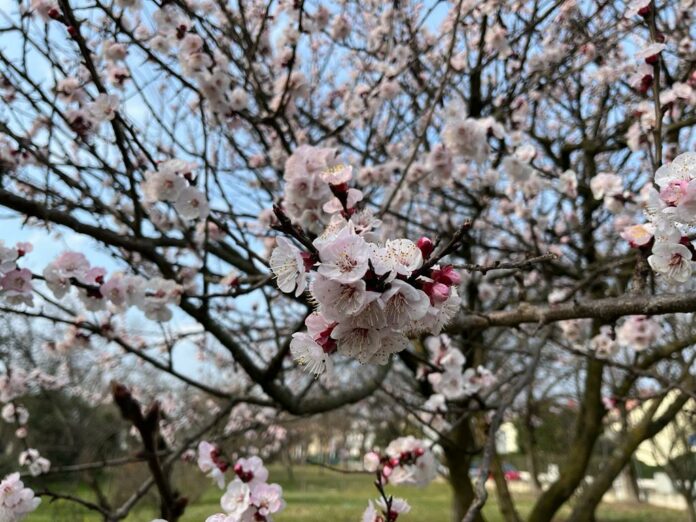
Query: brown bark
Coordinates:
[458,449]
[572,471]
[691,509]
[505,503]
[647,428]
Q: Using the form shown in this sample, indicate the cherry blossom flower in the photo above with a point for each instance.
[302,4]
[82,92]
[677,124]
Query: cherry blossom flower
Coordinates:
[673,260]
[638,332]
[638,235]
[16,288]
[604,343]
[651,52]
[239,99]
[356,339]
[37,464]
[338,300]
[267,498]
[371,461]
[403,303]
[104,107]
[477,379]
[344,258]
[167,182]
[236,500]
[248,497]
[210,463]
[569,183]
[288,265]
[450,383]
[251,470]
[397,257]
[410,462]
[467,137]
[16,501]
[8,258]
[398,506]
[606,184]
[191,204]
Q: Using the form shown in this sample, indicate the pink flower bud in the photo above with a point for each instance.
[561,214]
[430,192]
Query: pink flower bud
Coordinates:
[426,246]
[371,461]
[447,275]
[437,292]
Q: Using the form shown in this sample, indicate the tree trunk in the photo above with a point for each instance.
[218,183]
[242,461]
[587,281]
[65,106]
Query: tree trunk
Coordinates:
[458,451]
[533,466]
[631,481]
[505,502]
[691,508]
[572,471]
[611,467]
[531,450]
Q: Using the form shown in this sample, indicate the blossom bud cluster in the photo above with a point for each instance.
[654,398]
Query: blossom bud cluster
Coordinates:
[370,295]
[32,459]
[406,460]
[378,511]
[152,296]
[248,498]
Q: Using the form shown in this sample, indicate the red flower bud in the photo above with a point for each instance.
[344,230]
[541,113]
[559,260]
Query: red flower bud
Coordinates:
[437,292]
[447,275]
[426,246]
[645,83]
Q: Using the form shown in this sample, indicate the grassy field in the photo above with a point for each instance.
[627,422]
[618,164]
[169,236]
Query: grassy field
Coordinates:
[316,494]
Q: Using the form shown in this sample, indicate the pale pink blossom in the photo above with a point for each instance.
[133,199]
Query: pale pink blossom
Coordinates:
[344,258]
[236,500]
[673,260]
[397,257]
[191,204]
[288,265]
[16,501]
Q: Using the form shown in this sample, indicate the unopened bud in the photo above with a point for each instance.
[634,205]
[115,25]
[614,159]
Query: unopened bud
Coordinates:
[426,246]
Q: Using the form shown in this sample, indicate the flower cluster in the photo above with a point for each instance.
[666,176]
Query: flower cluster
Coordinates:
[468,137]
[385,510]
[16,501]
[32,459]
[370,294]
[248,498]
[171,182]
[15,282]
[84,114]
[210,461]
[453,383]
[152,296]
[636,332]
[671,211]
[407,460]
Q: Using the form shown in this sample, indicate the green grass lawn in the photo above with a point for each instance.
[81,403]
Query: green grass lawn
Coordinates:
[316,494]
